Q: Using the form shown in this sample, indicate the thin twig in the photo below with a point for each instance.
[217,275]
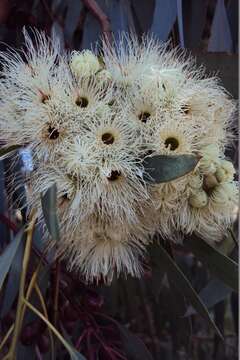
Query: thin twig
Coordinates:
[56,292]
[10,330]
[50,325]
[18,322]
[102,18]
[44,308]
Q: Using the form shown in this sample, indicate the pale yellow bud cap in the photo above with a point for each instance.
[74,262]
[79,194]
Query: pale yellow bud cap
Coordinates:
[211,151]
[195,181]
[225,172]
[84,63]
[224,193]
[208,164]
[198,199]
[104,76]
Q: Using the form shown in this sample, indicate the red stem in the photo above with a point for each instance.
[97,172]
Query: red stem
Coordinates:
[5,220]
[102,18]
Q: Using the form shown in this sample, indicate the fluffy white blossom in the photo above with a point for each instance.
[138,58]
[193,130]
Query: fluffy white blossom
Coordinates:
[89,124]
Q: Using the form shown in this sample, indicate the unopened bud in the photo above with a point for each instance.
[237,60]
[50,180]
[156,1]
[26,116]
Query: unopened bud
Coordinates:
[199,199]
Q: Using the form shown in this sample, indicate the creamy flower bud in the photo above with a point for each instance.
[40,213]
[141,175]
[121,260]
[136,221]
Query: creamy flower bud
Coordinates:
[224,193]
[225,172]
[211,151]
[210,181]
[195,181]
[84,63]
[208,165]
[104,76]
[198,199]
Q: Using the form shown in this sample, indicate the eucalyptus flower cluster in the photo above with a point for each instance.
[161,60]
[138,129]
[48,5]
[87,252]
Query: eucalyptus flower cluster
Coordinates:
[89,122]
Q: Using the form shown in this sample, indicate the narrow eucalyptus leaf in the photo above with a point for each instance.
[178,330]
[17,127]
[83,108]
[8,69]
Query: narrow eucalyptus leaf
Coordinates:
[25,352]
[164,168]
[74,354]
[219,265]
[134,348]
[6,258]
[214,292]
[227,245]
[176,275]
[13,280]
[49,200]
[4,151]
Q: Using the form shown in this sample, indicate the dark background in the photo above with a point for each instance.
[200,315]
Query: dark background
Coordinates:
[209,30]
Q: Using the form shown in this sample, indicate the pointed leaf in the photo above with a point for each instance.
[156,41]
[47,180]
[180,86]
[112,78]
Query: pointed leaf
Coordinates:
[164,168]
[74,354]
[176,275]
[72,19]
[220,265]
[194,19]
[135,349]
[221,38]
[228,243]
[180,22]
[6,258]
[13,280]
[214,292]
[49,200]
[164,18]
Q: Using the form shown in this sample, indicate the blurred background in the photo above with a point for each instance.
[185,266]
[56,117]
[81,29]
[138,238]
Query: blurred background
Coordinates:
[208,29]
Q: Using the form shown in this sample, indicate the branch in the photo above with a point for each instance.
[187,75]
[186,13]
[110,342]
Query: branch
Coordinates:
[102,18]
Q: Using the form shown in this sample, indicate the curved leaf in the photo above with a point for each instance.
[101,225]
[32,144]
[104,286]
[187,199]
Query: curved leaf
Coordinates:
[176,275]
[6,258]
[214,292]
[134,348]
[165,13]
[164,168]
[227,245]
[221,38]
[49,200]
[13,280]
[180,22]
[220,265]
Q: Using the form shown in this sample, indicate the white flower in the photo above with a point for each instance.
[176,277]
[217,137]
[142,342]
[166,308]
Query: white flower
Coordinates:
[89,123]
[84,63]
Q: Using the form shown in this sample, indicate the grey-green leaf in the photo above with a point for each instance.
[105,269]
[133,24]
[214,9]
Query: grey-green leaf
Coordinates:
[164,168]
[6,258]
[176,275]
[13,280]
[214,292]
[220,265]
[49,201]
[74,354]
[134,348]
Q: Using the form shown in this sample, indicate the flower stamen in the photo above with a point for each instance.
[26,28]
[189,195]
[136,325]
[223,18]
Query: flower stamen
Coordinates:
[172,143]
[115,174]
[108,138]
[53,133]
[143,116]
[82,102]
